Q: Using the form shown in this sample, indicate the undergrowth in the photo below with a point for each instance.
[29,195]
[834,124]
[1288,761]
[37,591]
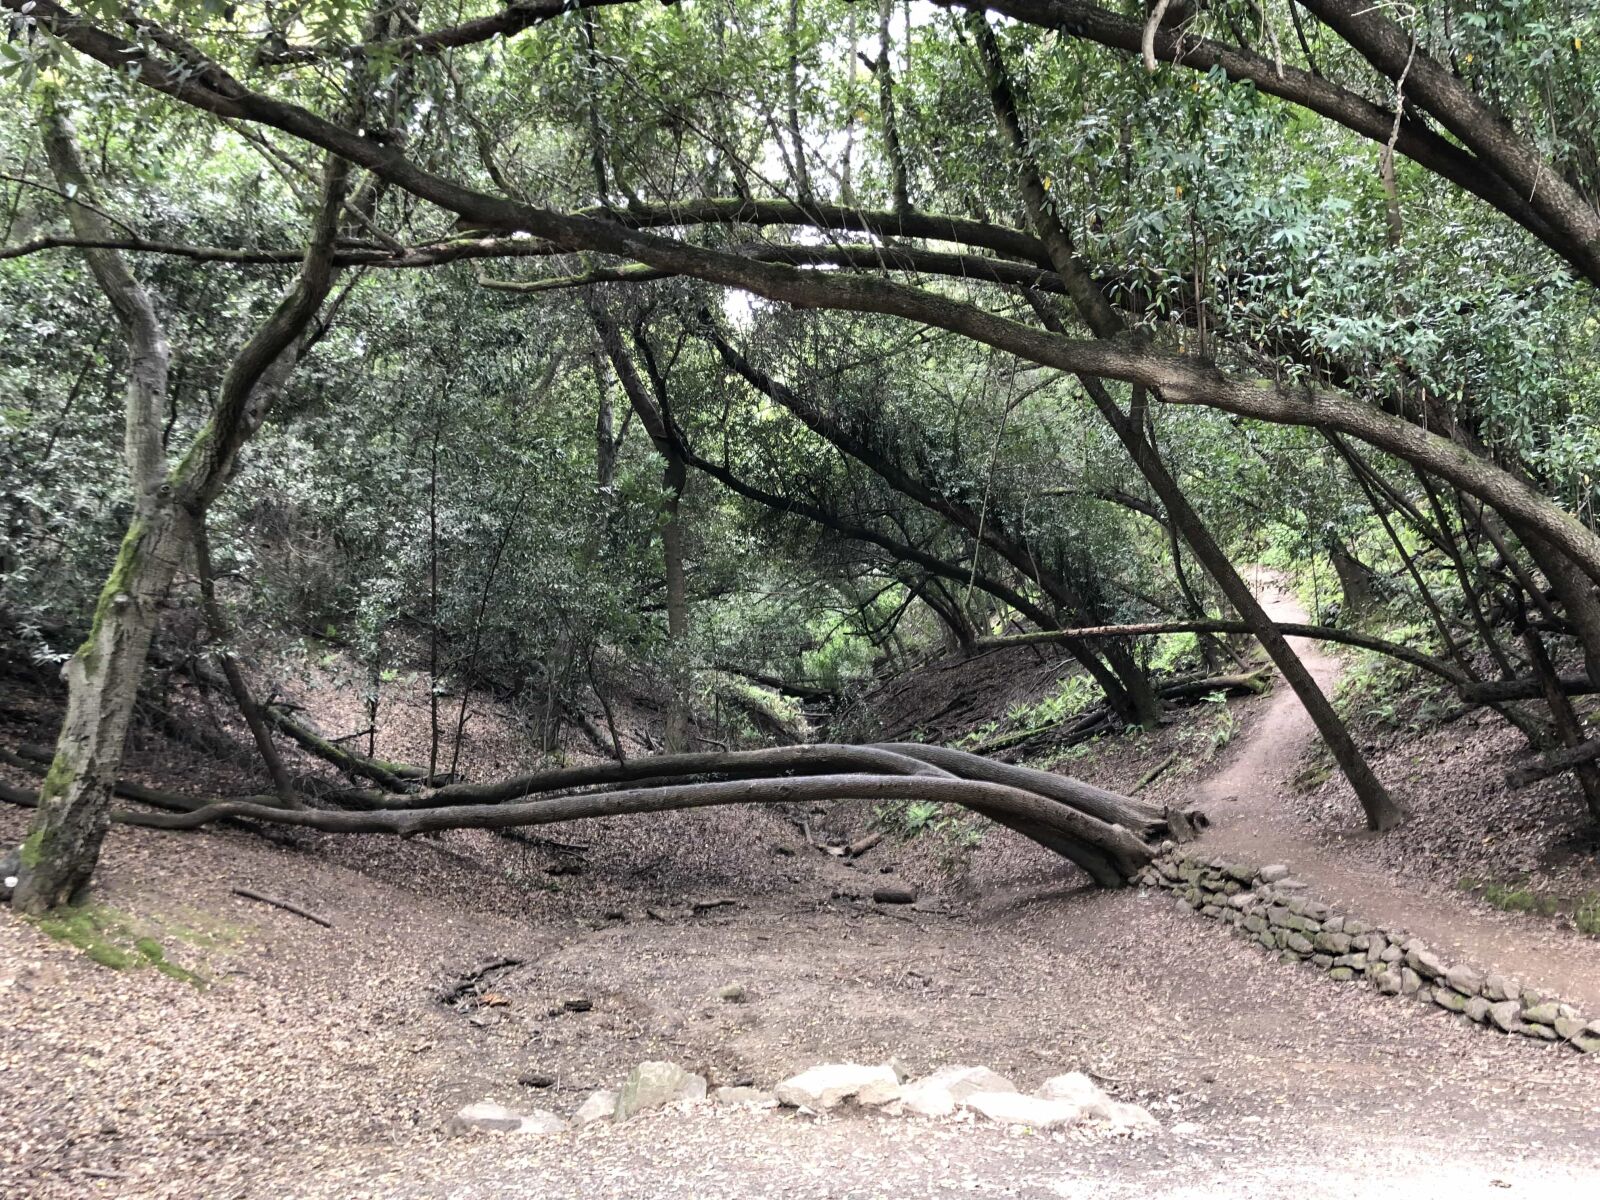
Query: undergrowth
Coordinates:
[1521,897]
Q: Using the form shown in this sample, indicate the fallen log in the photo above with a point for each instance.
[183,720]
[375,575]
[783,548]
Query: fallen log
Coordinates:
[1144,820]
[1554,762]
[1110,854]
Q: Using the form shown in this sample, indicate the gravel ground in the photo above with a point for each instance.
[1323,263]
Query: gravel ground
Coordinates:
[318,1063]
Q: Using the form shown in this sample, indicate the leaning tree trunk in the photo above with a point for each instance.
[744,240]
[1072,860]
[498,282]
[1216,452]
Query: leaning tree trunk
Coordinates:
[1096,311]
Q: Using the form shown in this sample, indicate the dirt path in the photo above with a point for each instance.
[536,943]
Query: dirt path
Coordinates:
[1251,804]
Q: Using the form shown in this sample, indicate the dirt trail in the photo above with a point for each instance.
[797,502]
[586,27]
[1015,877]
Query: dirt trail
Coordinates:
[1254,819]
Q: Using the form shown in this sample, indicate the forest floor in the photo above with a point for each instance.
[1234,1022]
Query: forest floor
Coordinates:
[319,1062]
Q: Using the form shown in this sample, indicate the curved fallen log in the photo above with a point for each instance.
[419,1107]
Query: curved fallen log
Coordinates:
[818,758]
[1144,820]
[1109,853]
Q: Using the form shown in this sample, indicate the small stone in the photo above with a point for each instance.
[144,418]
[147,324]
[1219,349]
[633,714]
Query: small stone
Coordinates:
[577,1004]
[740,1097]
[1209,910]
[536,1079]
[733,993]
[1239,874]
[1531,998]
[1324,961]
[1077,1088]
[1299,943]
[1391,954]
[1507,1014]
[1272,873]
[1541,1014]
[830,1085]
[1465,980]
[1334,924]
[1356,928]
[1478,1009]
[483,1117]
[1410,982]
[539,1121]
[1447,998]
[600,1106]
[1290,885]
[656,1084]
[1587,1043]
[1389,983]
[1342,974]
[1543,1032]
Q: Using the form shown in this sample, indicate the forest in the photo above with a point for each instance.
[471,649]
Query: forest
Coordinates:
[924,480]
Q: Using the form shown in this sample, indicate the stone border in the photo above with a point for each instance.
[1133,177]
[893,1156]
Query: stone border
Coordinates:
[1270,909]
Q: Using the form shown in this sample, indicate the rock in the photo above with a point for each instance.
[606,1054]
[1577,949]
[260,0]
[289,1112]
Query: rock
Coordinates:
[1507,1014]
[1341,974]
[1423,961]
[1410,982]
[536,1079]
[1541,1014]
[1299,943]
[1587,1043]
[895,895]
[737,1097]
[1478,1009]
[1273,873]
[1497,988]
[1077,1088]
[1569,1028]
[1389,983]
[600,1106]
[1334,924]
[937,1095]
[1334,943]
[830,1084]
[1322,961]
[1447,998]
[1130,1118]
[1531,998]
[1465,980]
[877,1093]
[656,1084]
[734,993]
[577,1004]
[540,1121]
[1356,928]
[1012,1108]
[483,1117]
[1543,1032]
[1391,954]
[1239,874]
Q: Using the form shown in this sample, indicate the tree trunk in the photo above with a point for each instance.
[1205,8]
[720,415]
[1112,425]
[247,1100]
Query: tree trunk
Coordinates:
[63,844]
[1381,810]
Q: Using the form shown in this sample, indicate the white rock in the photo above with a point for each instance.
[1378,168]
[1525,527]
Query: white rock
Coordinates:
[831,1084]
[486,1117]
[540,1121]
[1012,1108]
[1130,1118]
[1077,1088]
[735,1097]
[939,1094]
[600,1106]
[877,1093]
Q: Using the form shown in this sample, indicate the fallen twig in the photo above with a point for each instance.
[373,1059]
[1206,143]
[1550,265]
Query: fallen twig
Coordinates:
[286,905]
